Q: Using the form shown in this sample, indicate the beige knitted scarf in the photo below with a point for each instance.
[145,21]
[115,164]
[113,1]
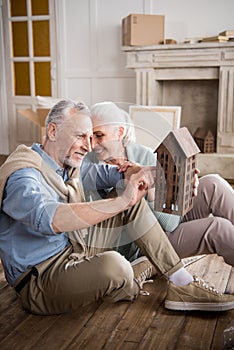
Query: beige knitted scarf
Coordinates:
[69,192]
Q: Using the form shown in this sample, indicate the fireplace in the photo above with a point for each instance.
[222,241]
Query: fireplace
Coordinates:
[199,78]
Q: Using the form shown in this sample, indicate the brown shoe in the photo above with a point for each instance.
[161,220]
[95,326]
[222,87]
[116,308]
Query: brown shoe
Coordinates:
[197,295]
[143,272]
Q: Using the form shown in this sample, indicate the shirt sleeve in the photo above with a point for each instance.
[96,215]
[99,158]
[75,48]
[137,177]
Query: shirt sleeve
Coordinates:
[30,201]
[141,154]
[100,176]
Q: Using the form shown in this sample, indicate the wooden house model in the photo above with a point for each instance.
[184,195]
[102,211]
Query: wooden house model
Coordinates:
[205,140]
[175,171]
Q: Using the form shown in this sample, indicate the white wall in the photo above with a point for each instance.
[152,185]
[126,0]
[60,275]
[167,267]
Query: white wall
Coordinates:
[189,18]
[92,63]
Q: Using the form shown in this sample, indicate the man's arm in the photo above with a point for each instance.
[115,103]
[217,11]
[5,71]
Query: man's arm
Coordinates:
[74,216]
[28,201]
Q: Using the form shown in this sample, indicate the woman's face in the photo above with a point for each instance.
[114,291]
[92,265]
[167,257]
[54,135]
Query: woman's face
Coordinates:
[107,141]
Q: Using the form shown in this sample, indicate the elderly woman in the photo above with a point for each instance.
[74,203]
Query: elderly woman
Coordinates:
[197,232]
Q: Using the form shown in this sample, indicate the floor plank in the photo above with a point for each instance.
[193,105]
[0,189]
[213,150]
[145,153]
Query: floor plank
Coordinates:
[163,331]
[132,327]
[144,324]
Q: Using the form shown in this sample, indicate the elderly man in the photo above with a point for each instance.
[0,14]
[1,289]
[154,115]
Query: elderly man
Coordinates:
[44,221]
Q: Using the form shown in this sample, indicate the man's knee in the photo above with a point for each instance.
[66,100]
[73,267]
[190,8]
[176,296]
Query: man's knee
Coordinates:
[119,276]
[114,266]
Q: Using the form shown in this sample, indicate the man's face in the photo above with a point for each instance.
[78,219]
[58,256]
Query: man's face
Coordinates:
[107,141]
[73,139]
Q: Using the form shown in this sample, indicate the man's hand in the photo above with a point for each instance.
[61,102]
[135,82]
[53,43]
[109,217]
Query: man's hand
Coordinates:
[138,185]
[130,168]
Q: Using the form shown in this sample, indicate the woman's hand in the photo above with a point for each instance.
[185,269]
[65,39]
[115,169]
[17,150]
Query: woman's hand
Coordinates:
[129,166]
[196,182]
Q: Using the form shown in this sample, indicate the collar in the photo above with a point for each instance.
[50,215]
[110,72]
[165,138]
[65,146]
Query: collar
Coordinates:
[49,161]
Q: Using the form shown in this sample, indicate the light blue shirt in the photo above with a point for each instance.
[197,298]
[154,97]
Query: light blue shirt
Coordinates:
[26,234]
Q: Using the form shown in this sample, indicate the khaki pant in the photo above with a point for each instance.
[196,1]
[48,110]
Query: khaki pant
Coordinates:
[70,280]
[202,233]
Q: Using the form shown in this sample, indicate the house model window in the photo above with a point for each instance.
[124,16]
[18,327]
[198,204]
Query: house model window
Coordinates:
[175,171]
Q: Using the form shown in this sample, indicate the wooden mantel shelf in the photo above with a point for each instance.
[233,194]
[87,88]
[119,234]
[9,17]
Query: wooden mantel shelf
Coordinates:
[179,46]
[206,55]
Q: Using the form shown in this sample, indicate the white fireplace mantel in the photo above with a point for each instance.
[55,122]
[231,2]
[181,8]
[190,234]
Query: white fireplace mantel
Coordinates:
[200,61]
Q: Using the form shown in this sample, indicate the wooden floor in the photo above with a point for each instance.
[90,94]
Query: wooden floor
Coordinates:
[144,324]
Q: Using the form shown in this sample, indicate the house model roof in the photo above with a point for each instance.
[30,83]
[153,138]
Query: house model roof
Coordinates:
[183,139]
[202,133]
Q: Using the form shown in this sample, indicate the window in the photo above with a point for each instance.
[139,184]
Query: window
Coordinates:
[31,61]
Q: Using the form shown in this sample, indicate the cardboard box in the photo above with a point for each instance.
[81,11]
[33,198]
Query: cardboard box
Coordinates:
[37,118]
[142,30]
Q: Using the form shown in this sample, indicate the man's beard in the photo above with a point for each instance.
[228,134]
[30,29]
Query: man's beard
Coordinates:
[71,163]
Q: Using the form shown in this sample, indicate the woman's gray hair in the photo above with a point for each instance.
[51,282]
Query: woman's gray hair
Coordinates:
[110,114]
[61,110]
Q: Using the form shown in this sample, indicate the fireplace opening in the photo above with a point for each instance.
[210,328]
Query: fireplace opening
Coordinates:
[198,99]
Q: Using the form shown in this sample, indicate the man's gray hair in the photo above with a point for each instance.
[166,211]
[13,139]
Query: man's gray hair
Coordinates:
[61,110]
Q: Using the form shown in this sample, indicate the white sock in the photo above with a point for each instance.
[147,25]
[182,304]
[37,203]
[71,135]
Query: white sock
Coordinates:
[181,277]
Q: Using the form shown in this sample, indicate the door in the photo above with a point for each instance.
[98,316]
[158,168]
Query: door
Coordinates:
[30,57]
[4,141]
